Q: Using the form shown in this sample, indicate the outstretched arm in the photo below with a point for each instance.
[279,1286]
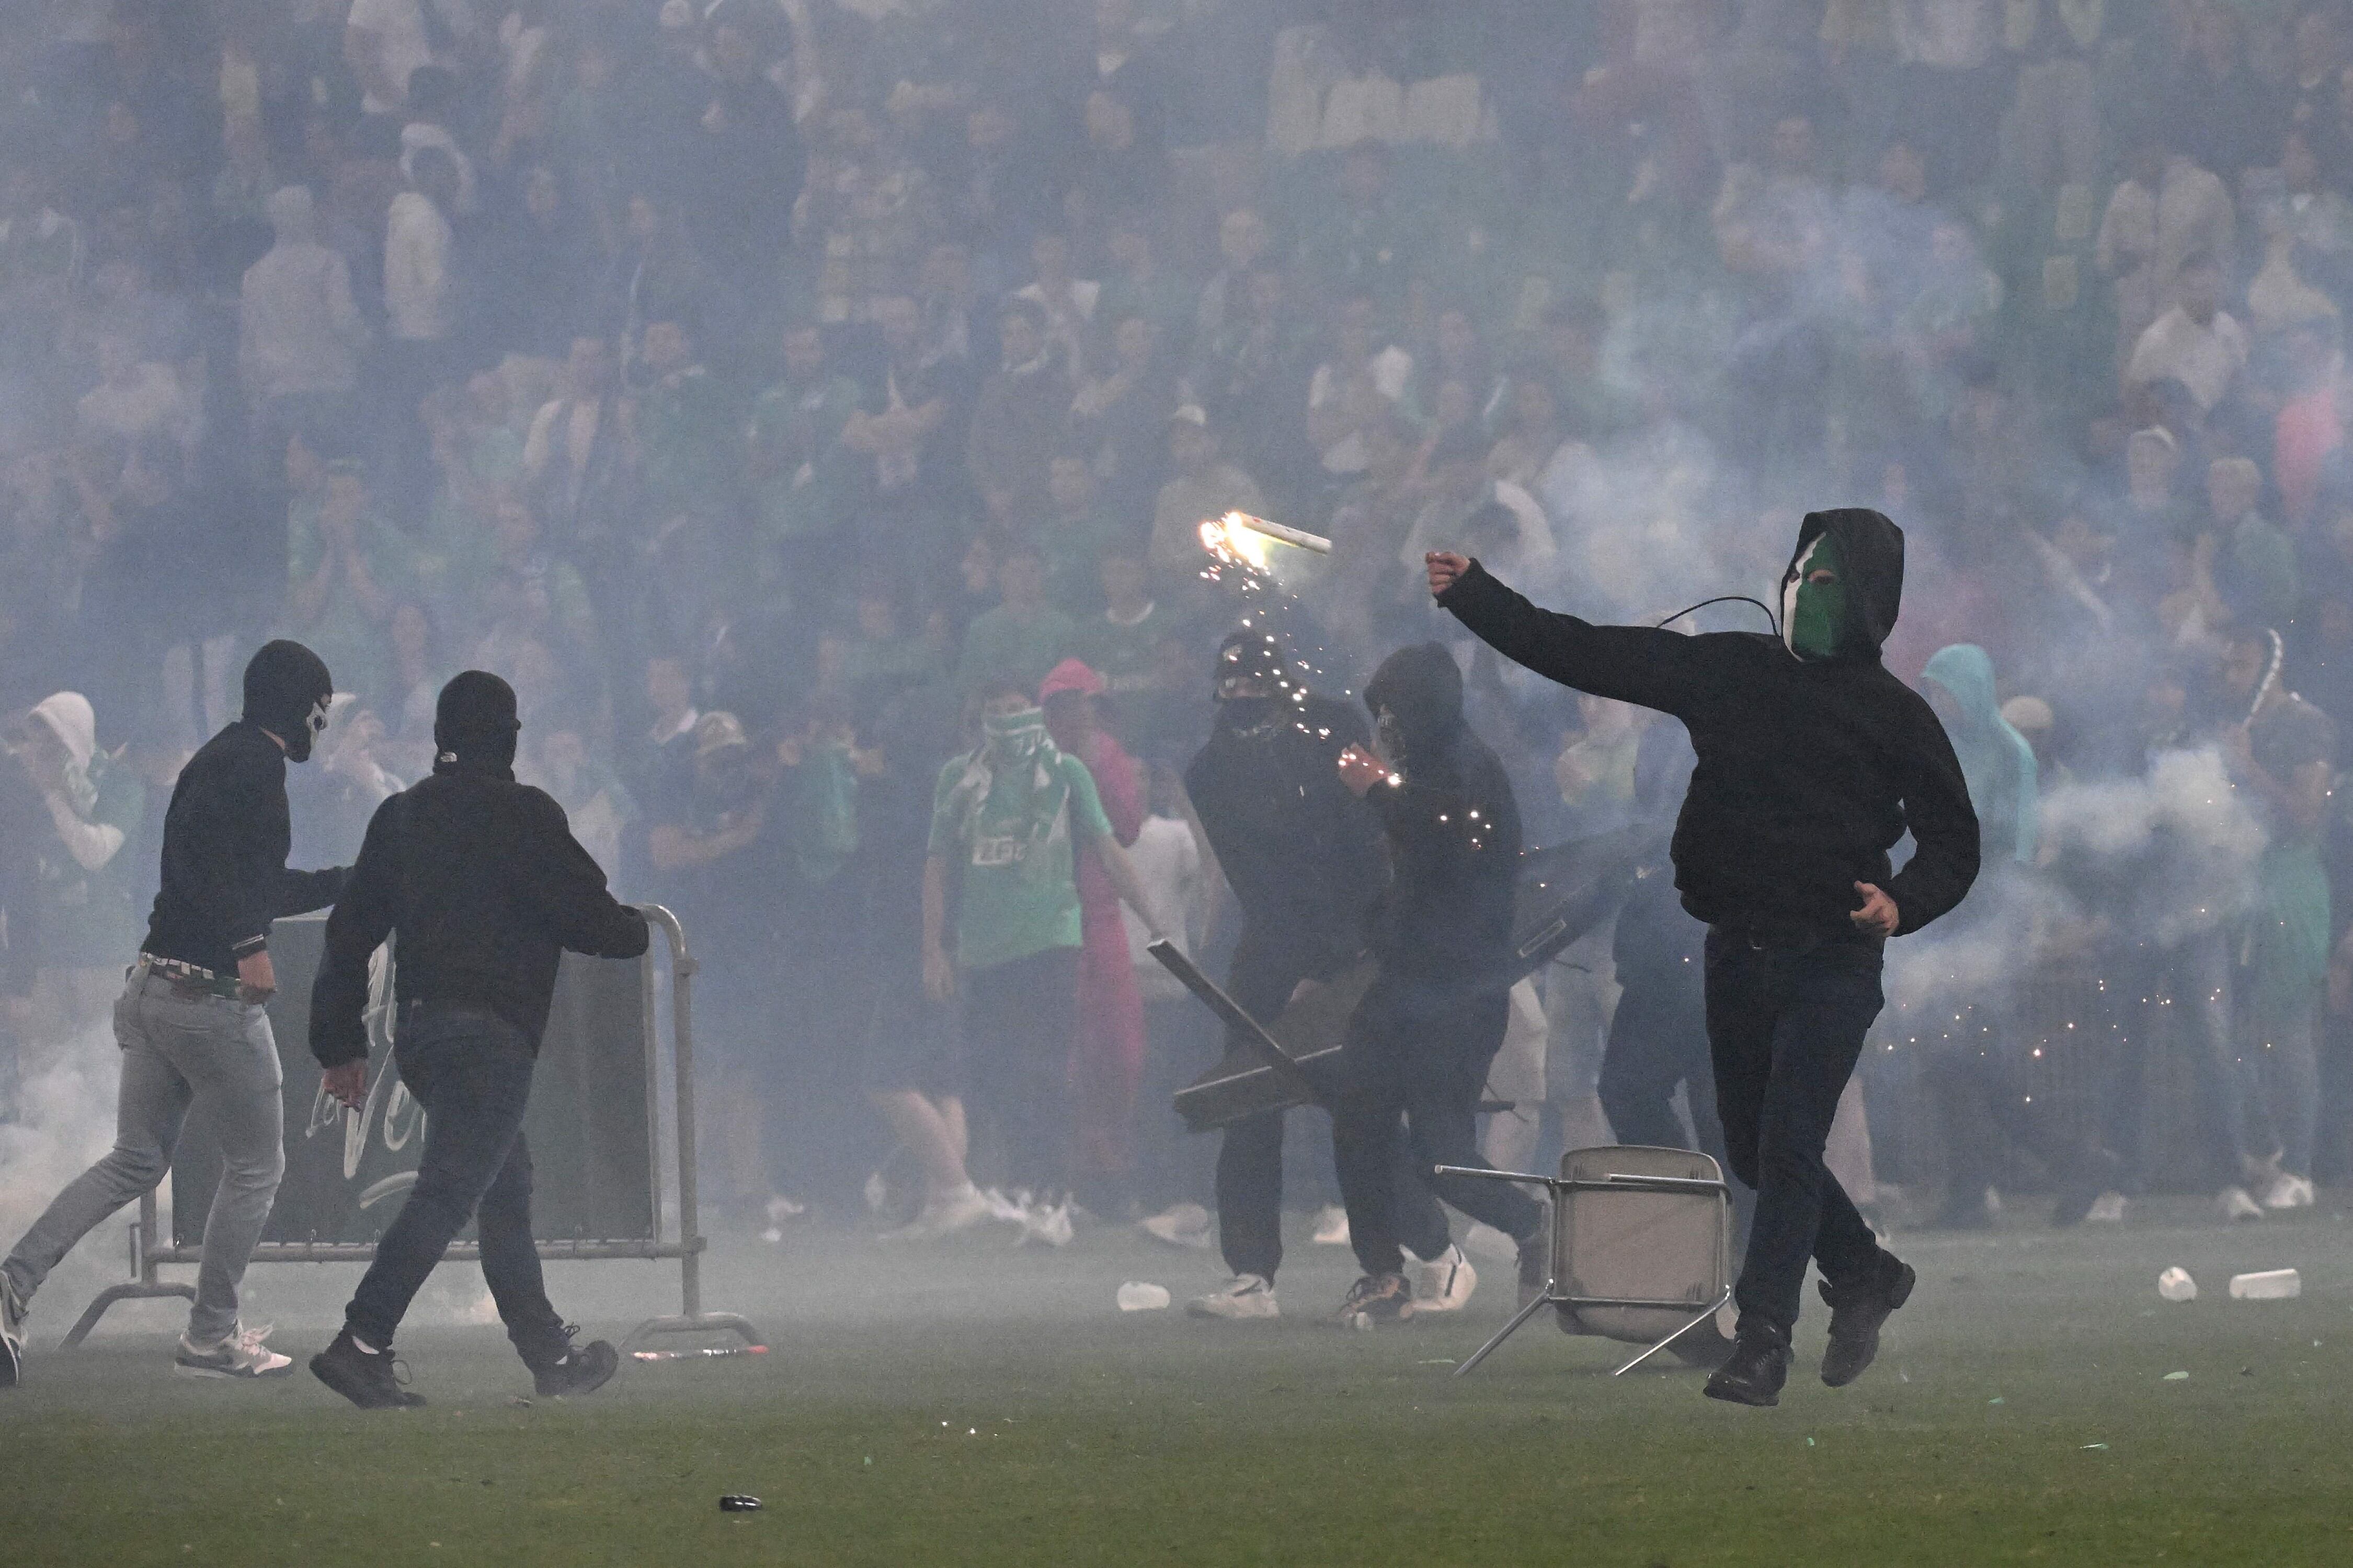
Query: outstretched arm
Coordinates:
[1640,665]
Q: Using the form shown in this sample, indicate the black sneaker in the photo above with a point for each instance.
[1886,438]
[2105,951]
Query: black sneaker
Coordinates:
[1857,1311]
[1376,1298]
[1757,1367]
[581,1369]
[371,1382]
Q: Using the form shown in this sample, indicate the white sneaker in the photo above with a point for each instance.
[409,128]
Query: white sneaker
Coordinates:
[12,1334]
[2289,1192]
[1181,1224]
[1051,1225]
[1331,1226]
[1444,1283]
[1245,1296]
[2238,1204]
[1010,1211]
[241,1353]
[2108,1209]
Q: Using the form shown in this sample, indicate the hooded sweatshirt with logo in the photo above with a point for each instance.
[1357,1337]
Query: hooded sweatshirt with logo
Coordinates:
[1810,769]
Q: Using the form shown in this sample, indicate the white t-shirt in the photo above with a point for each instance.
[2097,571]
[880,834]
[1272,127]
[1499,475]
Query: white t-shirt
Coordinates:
[1168,863]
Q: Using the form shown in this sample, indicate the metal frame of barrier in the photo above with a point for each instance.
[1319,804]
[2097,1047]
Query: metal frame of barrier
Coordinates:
[687,1247]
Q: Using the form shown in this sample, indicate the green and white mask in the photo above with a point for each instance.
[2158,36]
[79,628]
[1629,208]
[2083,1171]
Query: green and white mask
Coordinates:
[1813,615]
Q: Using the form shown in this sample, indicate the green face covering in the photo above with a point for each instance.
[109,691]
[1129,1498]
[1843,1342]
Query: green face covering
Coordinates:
[1813,615]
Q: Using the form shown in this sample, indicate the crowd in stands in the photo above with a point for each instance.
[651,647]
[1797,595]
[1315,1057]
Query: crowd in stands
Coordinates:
[766,387]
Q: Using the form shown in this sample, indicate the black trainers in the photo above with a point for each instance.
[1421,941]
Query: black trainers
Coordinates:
[581,1369]
[1757,1367]
[1374,1299]
[1857,1311]
[371,1382]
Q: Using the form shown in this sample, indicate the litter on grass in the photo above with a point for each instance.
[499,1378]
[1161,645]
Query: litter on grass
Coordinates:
[1136,1295]
[2175,1285]
[2177,1377]
[2088,1447]
[2267,1285]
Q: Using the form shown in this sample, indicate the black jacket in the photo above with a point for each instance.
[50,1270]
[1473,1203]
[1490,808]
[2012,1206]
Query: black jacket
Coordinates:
[1810,771]
[1304,855]
[225,839]
[1453,829]
[481,881]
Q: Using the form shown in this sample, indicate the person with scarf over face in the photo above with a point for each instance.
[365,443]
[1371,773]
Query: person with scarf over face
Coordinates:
[1010,817]
[192,1019]
[1813,762]
[1422,1038]
[481,886]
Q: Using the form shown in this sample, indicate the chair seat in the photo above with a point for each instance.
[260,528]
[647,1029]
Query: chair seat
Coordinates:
[1639,1244]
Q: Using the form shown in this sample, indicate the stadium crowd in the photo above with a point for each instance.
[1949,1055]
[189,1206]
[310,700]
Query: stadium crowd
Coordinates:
[766,388]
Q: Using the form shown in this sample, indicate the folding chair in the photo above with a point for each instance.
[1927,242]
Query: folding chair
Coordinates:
[1640,1246]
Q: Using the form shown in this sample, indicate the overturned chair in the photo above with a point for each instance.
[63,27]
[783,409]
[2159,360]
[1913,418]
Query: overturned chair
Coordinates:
[1641,1251]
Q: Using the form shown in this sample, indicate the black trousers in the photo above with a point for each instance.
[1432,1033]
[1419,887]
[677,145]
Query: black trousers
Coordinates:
[1018,1022]
[1784,1030]
[1417,1058]
[471,1072]
[1265,972]
[1658,1038]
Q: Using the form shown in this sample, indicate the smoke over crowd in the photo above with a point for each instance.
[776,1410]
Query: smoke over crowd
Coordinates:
[766,388]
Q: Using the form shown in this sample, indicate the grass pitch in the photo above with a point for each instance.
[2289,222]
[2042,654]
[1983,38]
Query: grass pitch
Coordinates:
[970,1404]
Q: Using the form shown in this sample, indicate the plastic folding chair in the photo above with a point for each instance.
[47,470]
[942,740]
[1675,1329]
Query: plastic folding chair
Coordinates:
[1640,1248]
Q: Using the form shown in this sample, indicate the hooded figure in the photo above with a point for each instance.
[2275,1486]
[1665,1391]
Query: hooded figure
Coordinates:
[287,691]
[1453,825]
[1996,760]
[1814,761]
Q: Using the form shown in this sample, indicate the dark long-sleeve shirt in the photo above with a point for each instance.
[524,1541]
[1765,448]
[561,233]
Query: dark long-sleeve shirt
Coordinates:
[1809,771]
[484,885]
[226,835]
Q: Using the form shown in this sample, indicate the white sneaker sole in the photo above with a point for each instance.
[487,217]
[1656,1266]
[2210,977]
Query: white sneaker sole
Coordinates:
[225,1374]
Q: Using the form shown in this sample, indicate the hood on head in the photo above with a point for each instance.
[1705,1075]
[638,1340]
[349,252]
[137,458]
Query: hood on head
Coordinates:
[1966,671]
[70,718]
[1422,687]
[1871,556]
[474,720]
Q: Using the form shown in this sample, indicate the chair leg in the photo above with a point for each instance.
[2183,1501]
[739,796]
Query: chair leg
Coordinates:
[1506,1333]
[1717,1306]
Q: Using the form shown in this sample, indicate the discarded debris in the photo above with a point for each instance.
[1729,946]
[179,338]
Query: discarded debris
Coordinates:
[2267,1285]
[1136,1295]
[737,1502]
[2175,1285]
[2177,1377]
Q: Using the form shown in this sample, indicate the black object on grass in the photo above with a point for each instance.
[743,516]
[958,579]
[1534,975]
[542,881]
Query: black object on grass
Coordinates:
[737,1502]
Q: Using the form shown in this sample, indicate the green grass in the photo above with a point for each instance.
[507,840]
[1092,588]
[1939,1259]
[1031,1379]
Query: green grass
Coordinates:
[972,1405]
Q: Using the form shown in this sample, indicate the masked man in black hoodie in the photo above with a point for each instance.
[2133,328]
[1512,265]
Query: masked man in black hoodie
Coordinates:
[1813,762]
[483,885]
[192,1020]
[1421,1040]
[1304,861]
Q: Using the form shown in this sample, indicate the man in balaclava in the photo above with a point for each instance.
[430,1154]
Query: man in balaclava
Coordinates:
[485,887]
[1303,858]
[1813,760]
[1427,1030]
[192,1024]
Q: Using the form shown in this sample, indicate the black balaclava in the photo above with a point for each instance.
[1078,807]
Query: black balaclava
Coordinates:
[1251,659]
[474,724]
[1416,701]
[286,690]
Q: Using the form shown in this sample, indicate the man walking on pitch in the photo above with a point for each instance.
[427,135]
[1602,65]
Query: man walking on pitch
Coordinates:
[1813,760]
[483,885]
[192,1021]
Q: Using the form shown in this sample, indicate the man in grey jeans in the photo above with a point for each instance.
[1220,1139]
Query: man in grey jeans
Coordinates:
[190,1022]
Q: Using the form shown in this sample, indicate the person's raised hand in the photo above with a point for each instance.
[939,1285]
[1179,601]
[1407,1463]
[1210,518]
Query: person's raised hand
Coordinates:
[1445,569]
[1878,916]
[1360,770]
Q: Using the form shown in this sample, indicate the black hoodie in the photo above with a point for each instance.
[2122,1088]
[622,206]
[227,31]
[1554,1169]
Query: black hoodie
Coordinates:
[1454,830]
[1810,771]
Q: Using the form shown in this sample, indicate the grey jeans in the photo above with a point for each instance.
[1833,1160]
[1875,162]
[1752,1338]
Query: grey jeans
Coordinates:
[207,1054]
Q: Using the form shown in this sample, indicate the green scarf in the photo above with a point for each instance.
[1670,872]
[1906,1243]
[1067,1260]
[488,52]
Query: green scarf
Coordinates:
[1017,747]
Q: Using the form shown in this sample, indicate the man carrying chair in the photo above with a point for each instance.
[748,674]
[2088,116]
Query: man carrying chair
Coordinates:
[1813,762]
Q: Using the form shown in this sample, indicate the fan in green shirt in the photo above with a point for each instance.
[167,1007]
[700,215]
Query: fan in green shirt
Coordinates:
[1021,639]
